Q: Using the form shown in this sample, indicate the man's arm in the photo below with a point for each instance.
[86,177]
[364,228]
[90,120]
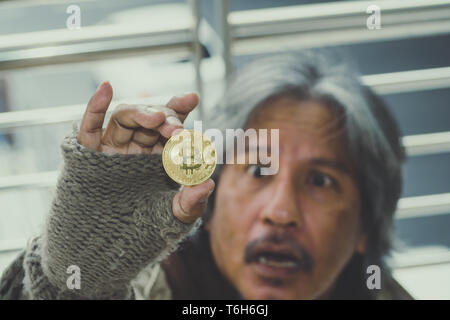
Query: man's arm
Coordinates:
[115,210]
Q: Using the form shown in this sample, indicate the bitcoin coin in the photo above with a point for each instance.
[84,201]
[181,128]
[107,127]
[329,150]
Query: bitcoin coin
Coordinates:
[189,157]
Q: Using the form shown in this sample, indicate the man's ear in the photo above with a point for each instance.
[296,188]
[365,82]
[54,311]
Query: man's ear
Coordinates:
[362,244]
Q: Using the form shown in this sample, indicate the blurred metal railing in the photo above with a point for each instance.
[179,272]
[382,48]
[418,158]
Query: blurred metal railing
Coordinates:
[44,116]
[428,143]
[89,43]
[408,81]
[99,42]
[333,23]
[421,258]
[45,179]
[12,245]
[419,206]
[243,32]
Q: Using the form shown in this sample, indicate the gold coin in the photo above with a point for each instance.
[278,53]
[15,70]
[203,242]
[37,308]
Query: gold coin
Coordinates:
[189,157]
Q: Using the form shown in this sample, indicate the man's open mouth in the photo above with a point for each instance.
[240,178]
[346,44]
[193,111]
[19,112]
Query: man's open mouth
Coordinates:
[277,260]
[277,257]
[274,260]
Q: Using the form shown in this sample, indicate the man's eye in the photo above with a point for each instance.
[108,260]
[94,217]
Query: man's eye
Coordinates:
[321,180]
[254,170]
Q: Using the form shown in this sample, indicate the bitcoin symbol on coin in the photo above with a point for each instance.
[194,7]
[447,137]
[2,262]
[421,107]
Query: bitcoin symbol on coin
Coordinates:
[189,157]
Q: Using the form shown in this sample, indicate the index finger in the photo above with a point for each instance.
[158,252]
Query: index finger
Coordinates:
[91,125]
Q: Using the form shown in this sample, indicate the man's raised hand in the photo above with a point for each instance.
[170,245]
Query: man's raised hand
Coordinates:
[137,129]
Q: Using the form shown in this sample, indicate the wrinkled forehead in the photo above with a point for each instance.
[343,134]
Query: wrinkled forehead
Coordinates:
[321,123]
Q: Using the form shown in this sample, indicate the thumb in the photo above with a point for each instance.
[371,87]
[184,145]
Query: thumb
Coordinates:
[190,202]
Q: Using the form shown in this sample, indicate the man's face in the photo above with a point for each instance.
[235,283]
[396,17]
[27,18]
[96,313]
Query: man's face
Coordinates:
[289,235]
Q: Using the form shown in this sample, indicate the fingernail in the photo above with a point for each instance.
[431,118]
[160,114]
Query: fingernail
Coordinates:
[100,85]
[185,94]
[173,120]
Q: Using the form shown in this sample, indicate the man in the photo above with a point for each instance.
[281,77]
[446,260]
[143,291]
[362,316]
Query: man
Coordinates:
[307,232]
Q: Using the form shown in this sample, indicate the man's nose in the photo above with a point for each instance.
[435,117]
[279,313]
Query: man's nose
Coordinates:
[282,209]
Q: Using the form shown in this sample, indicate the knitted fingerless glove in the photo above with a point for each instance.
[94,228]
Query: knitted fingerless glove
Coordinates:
[111,217]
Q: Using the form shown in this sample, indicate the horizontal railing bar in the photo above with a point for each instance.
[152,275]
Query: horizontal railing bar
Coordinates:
[43,116]
[420,206]
[417,258]
[316,25]
[428,143]
[279,20]
[318,39]
[87,52]
[100,33]
[46,179]
[12,245]
[93,42]
[407,81]
[382,83]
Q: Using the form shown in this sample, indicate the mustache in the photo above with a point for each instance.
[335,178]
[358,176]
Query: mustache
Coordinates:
[305,259]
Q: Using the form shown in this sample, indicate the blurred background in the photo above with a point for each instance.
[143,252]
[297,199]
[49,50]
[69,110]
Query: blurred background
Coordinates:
[150,50]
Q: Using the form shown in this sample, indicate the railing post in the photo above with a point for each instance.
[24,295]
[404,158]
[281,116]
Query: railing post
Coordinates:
[197,51]
[222,9]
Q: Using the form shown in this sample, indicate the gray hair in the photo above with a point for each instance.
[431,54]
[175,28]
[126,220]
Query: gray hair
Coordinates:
[371,132]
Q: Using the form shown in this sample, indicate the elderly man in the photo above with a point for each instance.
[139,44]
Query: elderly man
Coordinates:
[309,231]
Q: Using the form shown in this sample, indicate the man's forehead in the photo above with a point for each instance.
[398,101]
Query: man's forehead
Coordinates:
[308,130]
[295,117]
[300,120]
